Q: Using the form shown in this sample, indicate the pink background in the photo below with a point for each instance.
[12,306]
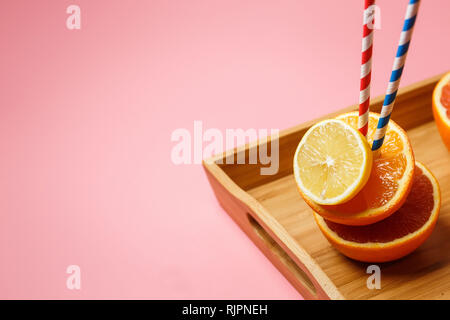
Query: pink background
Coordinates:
[86,117]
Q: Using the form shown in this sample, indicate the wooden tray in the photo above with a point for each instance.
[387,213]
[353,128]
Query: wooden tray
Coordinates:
[271,212]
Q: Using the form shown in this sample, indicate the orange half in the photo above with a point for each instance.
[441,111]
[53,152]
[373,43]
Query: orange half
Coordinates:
[396,236]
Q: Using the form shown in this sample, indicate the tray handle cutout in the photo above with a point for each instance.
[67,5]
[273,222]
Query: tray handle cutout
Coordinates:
[278,251]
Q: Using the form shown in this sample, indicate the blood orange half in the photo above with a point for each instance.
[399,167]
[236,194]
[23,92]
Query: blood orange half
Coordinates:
[396,236]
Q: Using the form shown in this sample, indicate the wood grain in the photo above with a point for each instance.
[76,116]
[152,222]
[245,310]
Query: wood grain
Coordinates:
[271,212]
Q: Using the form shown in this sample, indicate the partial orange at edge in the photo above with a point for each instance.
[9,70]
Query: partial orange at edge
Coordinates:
[441,108]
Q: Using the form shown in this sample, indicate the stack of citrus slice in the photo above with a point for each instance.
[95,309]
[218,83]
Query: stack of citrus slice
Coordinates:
[372,207]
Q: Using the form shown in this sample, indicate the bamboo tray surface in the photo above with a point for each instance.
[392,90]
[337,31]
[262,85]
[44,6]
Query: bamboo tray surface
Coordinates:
[272,213]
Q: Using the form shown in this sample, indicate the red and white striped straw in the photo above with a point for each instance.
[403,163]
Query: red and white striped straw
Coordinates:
[366,67]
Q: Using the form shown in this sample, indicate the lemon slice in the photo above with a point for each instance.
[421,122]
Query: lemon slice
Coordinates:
[332,162]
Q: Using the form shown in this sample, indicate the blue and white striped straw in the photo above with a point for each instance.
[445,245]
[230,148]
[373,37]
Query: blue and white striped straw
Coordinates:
[397,69]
